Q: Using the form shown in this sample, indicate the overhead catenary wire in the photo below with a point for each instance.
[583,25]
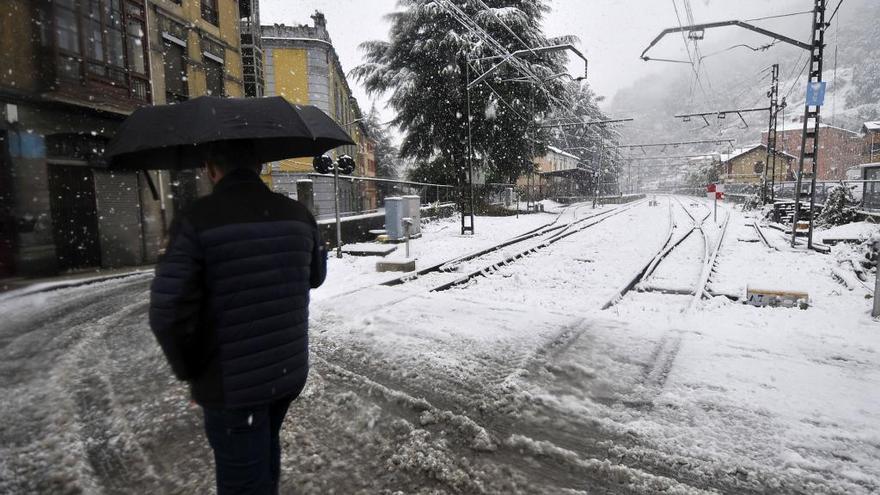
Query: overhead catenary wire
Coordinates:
[790,14]
[834,13]
[475,29]
[697,79]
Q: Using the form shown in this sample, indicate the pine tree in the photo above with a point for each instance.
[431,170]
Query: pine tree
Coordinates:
[839,208]
[594,143]
[386,153]
[423,68]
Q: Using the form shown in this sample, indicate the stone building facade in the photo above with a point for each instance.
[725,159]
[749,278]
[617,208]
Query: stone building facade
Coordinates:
[70,73]
[302,66]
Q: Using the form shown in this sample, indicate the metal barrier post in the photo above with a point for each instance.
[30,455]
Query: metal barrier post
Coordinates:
[876,311]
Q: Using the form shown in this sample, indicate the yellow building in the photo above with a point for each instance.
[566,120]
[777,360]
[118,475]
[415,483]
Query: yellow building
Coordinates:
[301,65]
[746,165]
[195,48]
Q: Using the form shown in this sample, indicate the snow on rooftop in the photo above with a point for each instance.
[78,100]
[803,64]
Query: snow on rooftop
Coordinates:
[872,126]
[798,126]
[561,152]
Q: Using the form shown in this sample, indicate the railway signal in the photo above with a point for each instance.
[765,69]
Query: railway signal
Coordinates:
[715,192]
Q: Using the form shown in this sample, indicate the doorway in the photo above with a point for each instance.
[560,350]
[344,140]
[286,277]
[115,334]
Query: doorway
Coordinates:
[74,216]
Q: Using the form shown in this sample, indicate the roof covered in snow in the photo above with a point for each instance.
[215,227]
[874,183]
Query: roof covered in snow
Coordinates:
[873,126]
[558,151]
[726,157]
[798,126]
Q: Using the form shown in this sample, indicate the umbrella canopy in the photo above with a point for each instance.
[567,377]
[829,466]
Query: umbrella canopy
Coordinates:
[168,136]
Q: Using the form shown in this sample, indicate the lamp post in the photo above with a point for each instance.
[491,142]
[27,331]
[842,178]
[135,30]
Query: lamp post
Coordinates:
[336,195]
[482,77]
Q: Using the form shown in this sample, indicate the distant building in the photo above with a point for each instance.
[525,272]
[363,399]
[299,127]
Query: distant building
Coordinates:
[558,174]
[871,142]
[251,48]
[302,66]
[839,148]
[746,165]
[67,80]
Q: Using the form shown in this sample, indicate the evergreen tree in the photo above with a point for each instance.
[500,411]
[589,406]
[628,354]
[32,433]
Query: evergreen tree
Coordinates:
[839,208]
[387,162]
[706,173]
[424,68]
[594,143]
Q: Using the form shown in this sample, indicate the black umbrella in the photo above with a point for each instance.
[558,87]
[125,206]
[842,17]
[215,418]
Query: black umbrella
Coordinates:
[167,137]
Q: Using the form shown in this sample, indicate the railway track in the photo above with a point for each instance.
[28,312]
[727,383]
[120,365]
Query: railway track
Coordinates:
[643,278]
[460,270]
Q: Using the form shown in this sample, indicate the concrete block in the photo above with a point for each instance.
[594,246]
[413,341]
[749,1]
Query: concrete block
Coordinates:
[396,266]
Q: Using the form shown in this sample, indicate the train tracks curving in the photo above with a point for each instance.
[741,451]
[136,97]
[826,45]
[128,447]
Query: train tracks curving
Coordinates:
[460,270]
[677,236]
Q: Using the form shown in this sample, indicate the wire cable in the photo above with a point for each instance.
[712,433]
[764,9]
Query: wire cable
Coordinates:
[828,22]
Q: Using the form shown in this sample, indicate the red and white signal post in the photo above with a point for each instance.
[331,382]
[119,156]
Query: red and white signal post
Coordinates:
[715,192]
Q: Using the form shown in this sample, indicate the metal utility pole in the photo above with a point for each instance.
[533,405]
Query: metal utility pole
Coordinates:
[811,112]
[467,194]
[810,133]
[771,135]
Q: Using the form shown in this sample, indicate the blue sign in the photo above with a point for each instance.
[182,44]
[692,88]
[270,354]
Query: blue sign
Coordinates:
[816,94]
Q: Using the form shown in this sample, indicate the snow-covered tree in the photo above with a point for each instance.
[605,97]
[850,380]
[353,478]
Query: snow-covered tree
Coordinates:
[706,173]
[594,143]
[386,153]
[840,208]
[424,69]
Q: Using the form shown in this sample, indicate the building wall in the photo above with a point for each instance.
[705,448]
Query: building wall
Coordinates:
[63,124]
[871,147]
[17,66]
[302,66]
[839,149]
[741,169]
[198,33]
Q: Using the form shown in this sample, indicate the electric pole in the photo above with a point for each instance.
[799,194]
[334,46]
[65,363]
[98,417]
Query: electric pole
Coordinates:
[771,136]
[815,87]
[810,133]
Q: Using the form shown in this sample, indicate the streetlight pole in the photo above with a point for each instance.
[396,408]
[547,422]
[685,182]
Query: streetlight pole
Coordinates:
[336,206]
[336,197]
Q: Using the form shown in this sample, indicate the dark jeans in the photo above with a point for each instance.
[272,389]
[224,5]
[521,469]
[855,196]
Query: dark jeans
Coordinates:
[247,451]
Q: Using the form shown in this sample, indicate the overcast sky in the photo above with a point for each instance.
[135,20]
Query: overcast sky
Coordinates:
[612,32]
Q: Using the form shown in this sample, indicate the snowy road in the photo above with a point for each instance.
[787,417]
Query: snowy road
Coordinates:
[516,382]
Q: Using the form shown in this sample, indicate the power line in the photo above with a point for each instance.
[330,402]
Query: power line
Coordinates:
[778,16]
[796,79]
[688,50]
[834,13]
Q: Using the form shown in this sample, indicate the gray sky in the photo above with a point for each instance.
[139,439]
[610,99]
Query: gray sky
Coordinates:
[612,32]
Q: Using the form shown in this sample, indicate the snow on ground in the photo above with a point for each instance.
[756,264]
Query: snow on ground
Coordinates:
[516,382]
[858,231]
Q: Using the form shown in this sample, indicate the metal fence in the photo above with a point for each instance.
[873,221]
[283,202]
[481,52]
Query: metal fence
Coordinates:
[359,195]
[865,192]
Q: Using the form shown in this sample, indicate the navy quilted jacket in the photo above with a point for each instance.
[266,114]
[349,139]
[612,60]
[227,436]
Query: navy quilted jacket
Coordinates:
[230,301]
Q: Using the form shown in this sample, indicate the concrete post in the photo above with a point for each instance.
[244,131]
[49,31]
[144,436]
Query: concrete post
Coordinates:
[305,194]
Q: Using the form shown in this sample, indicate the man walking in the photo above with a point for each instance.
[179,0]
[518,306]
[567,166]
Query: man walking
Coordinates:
[229,307]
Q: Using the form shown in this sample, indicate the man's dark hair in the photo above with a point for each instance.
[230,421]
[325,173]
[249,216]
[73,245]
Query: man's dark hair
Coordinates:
[230,155]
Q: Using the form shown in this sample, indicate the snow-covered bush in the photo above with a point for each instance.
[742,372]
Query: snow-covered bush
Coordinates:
[753,202]
[840,208]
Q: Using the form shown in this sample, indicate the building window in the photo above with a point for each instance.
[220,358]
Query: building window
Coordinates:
[67,39]
[213,56]
[209,12]
[176,88]
[112,33]
[214,77]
